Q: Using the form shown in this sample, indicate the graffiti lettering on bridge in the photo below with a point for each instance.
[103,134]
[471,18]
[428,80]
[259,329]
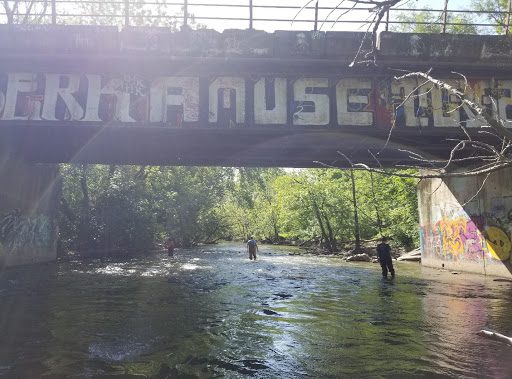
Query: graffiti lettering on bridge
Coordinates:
[179,101]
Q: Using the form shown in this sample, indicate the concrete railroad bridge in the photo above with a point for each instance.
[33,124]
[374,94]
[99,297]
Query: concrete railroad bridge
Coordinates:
[87,94]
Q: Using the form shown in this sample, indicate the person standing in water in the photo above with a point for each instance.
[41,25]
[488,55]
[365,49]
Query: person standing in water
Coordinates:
[252,247]
[170,245]
[384,255]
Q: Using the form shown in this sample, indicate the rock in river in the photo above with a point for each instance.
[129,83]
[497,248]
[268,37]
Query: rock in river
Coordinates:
[359,258]
[412,256]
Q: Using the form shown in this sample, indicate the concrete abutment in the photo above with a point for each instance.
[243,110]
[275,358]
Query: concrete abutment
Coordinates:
[466,224]
[29,197]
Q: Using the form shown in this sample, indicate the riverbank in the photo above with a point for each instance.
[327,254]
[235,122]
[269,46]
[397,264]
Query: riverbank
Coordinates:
[367,252]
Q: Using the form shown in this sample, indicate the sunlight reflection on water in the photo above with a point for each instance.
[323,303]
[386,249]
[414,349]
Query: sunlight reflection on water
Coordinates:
[188,266]
[115,269]
[120,351]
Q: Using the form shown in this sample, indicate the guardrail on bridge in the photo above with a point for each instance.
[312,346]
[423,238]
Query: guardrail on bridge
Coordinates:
[446,16]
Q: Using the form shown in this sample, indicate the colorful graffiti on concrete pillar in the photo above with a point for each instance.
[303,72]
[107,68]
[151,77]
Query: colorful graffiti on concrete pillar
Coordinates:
[498,243]
[474,238]
[19,233]
[454,239]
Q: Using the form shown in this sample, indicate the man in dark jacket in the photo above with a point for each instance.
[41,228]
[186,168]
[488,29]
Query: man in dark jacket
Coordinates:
[384,255]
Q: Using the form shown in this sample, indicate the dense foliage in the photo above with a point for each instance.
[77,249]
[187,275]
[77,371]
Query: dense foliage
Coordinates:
[316,204]
[491,12]
[130,208]
[427,21]
[112,208]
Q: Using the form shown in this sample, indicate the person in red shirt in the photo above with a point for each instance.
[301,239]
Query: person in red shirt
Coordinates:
[170,245]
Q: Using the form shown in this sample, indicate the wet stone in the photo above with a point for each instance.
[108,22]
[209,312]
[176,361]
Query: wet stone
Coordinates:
[283,295]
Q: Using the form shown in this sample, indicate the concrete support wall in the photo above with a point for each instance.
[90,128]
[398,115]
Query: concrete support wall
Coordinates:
[28,212]
[467,226]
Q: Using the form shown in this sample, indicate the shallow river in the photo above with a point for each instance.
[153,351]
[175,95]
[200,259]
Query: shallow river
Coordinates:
[210,312]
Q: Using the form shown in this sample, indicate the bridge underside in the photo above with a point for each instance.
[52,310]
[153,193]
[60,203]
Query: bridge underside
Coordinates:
[265,147]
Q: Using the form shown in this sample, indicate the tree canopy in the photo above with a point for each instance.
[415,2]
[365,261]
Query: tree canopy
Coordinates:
[132,208]
[429,21]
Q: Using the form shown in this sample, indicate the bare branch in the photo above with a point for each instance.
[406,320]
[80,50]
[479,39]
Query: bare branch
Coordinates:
[487,114]
[477,192]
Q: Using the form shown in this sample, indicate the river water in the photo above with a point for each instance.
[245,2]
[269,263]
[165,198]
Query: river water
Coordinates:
[210,312]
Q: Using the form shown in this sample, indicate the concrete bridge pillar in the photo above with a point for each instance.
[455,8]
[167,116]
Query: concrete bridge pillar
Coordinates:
[29,195]
[466,225]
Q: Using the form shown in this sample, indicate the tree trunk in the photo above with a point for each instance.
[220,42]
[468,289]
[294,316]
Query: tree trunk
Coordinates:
[332,239]
[357,232]
[274,224]
[375,204]
[84,228]
[8,12]
[320,222]
[67,211]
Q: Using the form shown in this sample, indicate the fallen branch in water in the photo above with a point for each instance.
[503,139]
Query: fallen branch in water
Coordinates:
[495,336]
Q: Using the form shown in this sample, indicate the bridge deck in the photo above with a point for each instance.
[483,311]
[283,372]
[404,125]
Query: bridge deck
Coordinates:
[241,97]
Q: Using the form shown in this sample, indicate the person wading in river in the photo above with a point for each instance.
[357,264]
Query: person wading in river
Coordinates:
[170,245]
[252,247]
[384,255]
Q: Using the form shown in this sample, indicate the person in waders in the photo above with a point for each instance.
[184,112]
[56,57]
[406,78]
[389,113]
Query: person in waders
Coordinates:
[170,245]
[384,255]
[252,246]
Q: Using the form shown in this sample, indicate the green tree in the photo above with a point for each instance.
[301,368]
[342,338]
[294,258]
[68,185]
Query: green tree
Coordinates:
[318,205]
[251,205]
[187,202]
[140,13]
[495,12]
[25,11]
[129,208]
[390,207]
[105,208]
[427,21]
